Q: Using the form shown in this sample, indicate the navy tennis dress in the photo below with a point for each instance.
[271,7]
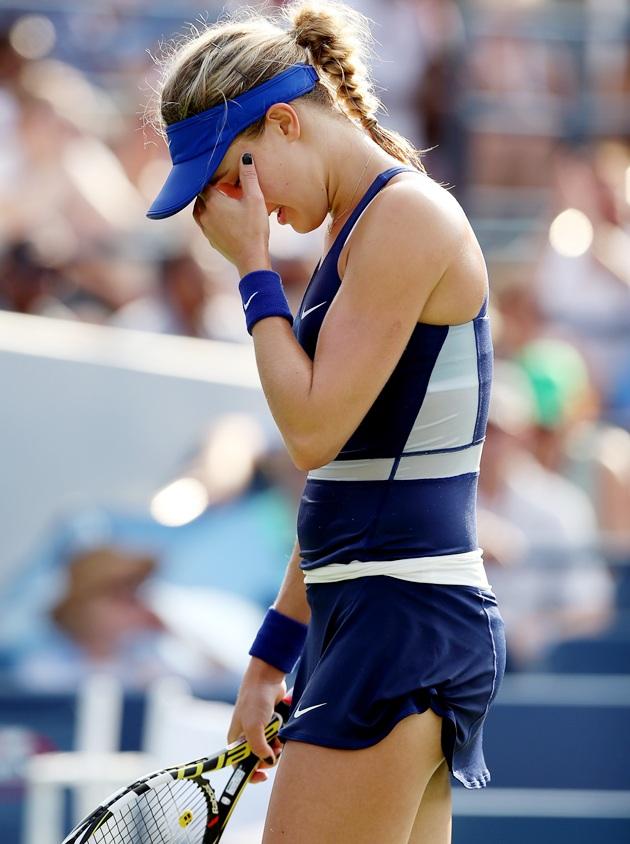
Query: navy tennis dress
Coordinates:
[402,616]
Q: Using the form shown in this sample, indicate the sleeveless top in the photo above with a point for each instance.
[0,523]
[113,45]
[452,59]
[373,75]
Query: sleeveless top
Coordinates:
[400,497]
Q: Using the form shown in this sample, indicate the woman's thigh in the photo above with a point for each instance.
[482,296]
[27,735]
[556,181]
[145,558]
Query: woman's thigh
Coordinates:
[433,822]
[323,796]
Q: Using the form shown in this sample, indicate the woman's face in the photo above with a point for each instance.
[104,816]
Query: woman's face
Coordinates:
[289,172]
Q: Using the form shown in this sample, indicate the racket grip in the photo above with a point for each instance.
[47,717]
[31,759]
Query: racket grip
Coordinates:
[283,706]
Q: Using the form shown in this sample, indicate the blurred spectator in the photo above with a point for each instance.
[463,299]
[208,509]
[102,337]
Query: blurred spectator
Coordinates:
[562,397]
[35,279]
[27,286]
[438,98]
[111,614]
[539,534]
[101,617]
[180,590]
[101,601]
[569,436]
[516,316]
[181,304]
[95,621]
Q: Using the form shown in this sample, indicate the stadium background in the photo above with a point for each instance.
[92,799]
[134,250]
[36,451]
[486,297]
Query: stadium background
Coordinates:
[148,507]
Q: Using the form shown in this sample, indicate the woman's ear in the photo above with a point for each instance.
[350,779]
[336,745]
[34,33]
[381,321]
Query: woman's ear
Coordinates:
[285,118]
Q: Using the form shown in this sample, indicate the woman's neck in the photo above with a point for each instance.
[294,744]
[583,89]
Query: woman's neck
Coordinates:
[355,161]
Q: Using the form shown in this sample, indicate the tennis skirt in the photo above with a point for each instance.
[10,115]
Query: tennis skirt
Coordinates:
[379,648]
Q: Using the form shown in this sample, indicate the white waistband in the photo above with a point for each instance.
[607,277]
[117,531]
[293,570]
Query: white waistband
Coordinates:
[465,569]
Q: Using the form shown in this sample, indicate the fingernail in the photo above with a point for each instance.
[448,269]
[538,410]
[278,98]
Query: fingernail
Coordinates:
[270,760]
[247,158]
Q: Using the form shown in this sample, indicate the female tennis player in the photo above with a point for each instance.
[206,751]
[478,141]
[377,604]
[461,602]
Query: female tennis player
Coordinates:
[380,387]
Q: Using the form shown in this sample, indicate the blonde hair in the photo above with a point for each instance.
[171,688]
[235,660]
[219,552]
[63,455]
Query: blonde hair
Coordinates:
[244,49]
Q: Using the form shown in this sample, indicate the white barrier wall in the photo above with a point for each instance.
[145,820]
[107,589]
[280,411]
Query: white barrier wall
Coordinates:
[100,415]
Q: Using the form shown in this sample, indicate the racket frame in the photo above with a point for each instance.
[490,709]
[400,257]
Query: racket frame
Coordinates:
[238,754]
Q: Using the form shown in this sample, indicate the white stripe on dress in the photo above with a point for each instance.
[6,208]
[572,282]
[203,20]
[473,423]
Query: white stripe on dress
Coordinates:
[447,464]
[448,413]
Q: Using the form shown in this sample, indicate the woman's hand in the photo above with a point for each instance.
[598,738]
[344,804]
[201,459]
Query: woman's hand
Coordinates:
[262,687]
[235,221]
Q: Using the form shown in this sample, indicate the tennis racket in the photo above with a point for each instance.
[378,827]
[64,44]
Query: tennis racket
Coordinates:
[176,805]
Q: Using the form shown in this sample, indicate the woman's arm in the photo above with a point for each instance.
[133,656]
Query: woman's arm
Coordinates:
[388,279]
[263,685]
[291,601]
[291,598]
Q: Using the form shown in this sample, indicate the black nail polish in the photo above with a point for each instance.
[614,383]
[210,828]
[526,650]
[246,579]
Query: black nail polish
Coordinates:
[270,760]
[247,158]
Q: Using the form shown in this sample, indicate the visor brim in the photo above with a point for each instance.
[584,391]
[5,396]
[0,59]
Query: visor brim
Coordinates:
[184,182]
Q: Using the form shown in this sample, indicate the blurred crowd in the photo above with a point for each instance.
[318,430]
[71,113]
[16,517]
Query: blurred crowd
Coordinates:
[527,128]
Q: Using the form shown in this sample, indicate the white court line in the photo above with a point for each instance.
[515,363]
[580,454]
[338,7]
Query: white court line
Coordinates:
[564,690]
[541,803]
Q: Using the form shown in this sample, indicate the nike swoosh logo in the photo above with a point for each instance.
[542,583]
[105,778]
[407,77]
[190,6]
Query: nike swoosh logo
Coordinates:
[246,305]
[299,711]
[314,308]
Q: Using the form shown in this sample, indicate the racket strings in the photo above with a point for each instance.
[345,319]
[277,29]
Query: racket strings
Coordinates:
[174,813]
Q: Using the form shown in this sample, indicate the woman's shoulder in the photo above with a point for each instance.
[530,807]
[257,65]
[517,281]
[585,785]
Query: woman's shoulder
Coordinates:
[439,234]
[414,205]
[437,215]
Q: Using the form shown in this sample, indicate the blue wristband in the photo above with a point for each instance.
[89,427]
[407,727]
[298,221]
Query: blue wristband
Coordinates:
[263,296]
[279,641]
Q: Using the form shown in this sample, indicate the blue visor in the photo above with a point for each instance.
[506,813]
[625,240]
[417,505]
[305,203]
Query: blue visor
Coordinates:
[198,144]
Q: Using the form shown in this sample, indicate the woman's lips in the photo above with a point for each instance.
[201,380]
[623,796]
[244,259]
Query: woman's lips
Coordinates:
[281,212]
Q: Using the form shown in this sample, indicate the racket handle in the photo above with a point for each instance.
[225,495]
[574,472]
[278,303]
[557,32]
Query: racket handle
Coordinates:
[283,706]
